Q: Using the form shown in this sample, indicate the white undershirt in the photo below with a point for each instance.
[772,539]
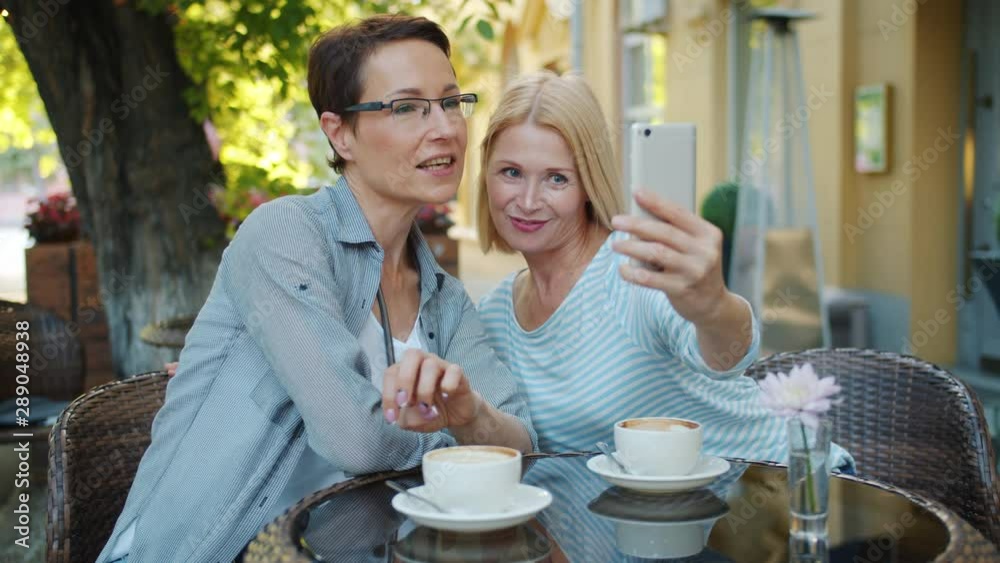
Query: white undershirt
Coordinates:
[314,472]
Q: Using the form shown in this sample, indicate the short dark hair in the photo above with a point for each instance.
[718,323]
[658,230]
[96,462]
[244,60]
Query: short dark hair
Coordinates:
[337,60]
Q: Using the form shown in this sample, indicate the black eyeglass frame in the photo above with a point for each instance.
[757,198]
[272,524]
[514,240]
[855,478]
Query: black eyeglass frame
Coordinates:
[379,106]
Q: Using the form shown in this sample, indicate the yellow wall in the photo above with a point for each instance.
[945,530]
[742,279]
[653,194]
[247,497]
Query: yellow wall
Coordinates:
[935,196]
[696,82]
[601,53]
[826,66]
[883,252]
[907,241]
[543,39]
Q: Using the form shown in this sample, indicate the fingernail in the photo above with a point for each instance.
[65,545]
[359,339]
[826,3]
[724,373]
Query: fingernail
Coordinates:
[444,396]
[618,221]
[401,398]
[431,414]
[390,415]
[422,407]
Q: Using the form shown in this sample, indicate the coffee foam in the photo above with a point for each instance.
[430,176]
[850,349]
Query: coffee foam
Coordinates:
[471,455]
[659,424]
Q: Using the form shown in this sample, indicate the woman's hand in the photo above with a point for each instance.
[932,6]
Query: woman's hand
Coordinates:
[425,393]
[171,368]
[684,248]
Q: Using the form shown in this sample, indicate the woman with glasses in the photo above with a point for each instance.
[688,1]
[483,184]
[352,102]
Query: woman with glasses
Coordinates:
[332,343]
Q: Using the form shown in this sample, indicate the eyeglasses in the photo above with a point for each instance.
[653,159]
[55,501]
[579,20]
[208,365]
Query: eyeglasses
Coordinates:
[407,109]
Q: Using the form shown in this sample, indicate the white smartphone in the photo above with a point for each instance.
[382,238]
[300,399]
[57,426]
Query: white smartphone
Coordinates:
[662,161]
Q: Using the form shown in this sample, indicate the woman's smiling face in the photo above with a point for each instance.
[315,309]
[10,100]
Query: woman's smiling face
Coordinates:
[536,201]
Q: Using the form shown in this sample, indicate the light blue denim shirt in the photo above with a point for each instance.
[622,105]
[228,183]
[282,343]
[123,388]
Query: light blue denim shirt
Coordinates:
[273,362]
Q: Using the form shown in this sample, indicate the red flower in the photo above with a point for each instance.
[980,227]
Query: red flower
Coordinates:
[55,219]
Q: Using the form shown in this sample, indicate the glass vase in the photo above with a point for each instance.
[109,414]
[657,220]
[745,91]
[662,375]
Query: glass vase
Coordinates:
[808,488]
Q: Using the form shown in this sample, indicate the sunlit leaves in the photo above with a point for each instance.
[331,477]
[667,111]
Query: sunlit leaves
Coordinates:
[25,126]
[485,29]
[246,60]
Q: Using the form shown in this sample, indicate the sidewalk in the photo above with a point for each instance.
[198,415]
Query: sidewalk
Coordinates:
[481,272]
[13,240]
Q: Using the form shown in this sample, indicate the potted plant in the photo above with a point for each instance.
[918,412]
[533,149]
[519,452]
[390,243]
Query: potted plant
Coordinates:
[54,219]
[719,208]
[61,272]
[54,264]
[434,222]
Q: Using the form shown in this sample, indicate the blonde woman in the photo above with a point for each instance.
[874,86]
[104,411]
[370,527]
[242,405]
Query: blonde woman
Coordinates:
[594,338]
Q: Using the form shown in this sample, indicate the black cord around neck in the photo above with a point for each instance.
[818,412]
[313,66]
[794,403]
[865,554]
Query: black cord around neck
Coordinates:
[390,352]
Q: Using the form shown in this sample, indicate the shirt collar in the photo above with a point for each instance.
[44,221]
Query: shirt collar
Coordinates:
[352,227]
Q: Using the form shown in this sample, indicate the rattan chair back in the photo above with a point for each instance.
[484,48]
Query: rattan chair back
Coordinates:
[94,452]
[910,424]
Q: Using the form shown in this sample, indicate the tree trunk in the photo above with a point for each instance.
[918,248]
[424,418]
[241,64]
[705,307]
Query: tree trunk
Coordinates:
[139,165]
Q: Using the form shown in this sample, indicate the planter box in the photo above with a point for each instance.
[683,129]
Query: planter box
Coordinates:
[446,251]
[62,277]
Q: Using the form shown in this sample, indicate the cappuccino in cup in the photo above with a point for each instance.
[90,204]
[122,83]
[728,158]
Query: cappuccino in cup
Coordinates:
[472,479]
[659,446]
[472,454]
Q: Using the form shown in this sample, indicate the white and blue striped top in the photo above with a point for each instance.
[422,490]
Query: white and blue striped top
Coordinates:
[614,350]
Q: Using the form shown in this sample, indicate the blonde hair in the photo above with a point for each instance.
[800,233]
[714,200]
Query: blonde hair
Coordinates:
[567,105]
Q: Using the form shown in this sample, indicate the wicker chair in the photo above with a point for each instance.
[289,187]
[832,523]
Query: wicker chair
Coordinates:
[910,424]
[94,452]
[56,352]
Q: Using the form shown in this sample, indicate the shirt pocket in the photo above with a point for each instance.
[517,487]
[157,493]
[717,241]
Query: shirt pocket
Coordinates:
[272,399]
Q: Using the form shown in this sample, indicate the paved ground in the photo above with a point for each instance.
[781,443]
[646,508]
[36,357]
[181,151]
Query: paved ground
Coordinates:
[13,241]
[36,540]
[480,273]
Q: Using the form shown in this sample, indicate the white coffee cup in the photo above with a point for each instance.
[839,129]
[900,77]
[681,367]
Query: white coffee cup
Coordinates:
[659,446]
[473,479]
[655,540]
[649,526]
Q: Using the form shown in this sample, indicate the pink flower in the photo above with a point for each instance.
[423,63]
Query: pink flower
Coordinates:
[800,394]
[256,198]
[212,136]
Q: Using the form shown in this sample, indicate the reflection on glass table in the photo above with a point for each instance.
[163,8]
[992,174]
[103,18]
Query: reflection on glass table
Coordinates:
[741,517]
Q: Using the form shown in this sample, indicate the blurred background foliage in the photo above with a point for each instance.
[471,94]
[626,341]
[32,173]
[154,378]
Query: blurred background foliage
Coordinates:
[247,64]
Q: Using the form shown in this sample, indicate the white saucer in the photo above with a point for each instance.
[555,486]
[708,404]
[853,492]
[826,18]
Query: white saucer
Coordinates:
[526,502]
[709,469]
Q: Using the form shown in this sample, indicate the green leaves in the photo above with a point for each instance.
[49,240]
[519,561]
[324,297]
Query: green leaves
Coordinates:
[246,60]
[485,29]
[26,137]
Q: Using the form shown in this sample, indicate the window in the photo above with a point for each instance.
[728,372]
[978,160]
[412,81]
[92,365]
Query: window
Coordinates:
[643,66]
